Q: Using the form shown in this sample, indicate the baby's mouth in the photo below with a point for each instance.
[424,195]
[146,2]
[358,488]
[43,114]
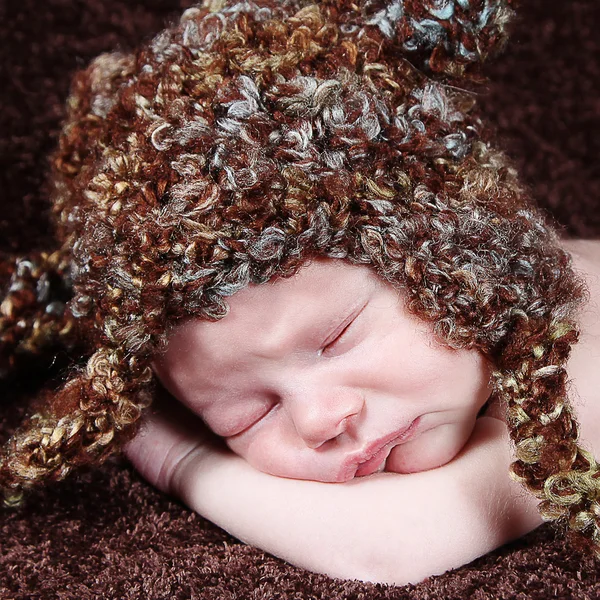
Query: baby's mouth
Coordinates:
[375,464]
[373,458]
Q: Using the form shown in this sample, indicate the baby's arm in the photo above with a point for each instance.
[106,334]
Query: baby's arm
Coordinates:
[386,528]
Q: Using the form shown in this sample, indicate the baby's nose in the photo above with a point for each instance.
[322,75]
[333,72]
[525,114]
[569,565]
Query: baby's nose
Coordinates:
[322,415]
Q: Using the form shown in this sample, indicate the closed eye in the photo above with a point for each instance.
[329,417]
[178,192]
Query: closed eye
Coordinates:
[346,339]
[339,338]
[254,421]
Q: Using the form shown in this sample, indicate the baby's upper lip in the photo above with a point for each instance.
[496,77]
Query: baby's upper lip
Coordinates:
[353,462]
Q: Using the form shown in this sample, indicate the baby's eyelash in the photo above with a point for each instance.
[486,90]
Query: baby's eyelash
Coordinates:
[343,333]
[339,337]
[255,421]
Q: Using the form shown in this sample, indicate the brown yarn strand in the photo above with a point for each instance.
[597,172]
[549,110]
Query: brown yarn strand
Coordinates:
[251,137]
[93,408]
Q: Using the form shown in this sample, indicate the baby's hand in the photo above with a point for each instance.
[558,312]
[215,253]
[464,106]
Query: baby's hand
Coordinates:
[170,438]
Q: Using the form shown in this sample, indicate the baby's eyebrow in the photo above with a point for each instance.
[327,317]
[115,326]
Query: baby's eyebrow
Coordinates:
[276,344]
[294,329]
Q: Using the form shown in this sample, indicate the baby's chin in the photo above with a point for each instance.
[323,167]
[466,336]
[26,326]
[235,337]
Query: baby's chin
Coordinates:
[431,449]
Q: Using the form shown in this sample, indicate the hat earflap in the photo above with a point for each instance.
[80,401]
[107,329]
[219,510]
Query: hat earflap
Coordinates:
[83,423]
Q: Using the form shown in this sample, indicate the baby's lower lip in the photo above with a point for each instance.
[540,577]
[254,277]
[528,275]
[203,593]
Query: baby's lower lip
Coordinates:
[373,464]
[377,461]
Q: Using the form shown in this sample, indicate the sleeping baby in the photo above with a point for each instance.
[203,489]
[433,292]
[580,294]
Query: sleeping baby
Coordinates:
[327,377]
[292,216]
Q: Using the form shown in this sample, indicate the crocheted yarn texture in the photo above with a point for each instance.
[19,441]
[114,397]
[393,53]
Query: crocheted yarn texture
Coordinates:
[250,138]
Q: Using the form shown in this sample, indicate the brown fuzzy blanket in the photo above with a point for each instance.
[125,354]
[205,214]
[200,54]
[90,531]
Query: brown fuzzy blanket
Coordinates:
[106,533]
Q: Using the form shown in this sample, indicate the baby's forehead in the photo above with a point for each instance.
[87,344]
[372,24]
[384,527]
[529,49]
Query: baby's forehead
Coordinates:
[318,291]
[316,280]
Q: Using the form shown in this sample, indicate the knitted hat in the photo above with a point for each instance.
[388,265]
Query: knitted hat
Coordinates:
[254,136]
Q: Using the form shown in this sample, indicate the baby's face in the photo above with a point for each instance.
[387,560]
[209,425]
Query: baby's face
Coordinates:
[325,376]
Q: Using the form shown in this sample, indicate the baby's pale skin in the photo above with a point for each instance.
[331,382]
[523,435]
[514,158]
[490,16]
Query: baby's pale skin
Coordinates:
[325,376]
[358,448]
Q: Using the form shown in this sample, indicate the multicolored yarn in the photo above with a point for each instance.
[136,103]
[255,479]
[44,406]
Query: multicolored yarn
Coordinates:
[33,318]
[252,137]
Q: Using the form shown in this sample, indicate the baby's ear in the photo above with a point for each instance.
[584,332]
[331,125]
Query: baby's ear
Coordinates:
[440,36]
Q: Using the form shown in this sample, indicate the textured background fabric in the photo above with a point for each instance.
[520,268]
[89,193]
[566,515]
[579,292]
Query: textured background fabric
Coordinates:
[107,534]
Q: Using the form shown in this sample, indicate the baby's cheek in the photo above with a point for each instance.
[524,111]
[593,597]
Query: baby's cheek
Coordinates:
[430,450]
[237,445]
[257,450]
